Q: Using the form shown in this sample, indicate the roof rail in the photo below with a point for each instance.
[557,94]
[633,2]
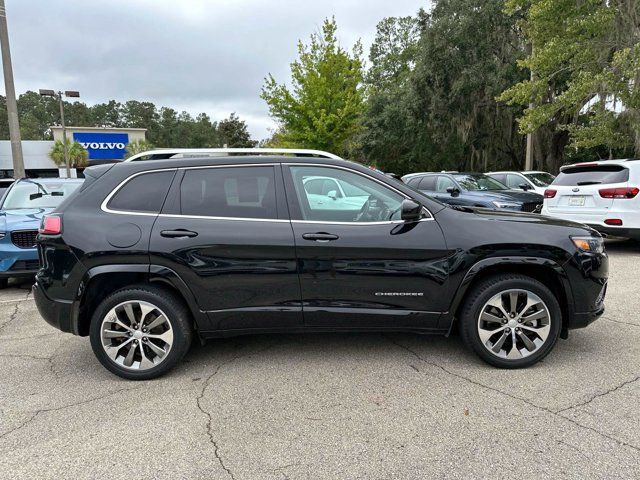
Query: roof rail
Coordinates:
[163,153]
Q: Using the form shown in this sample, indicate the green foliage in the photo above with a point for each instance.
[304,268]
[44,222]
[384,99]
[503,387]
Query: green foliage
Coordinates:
[586,71]
[322,109]
[78,156]
[137,146]
[233,133]
[431,104]
[165,126]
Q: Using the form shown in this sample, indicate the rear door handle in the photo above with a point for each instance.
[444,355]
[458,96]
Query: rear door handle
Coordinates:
[179,233]
[320,236]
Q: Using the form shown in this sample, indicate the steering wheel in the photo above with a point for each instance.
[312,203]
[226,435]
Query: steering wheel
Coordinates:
[373,210]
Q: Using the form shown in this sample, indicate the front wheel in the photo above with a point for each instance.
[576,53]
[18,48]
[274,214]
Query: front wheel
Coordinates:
[140,332]
[510,321]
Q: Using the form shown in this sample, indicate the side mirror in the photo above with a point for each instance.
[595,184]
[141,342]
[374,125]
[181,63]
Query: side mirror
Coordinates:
[524,187]
[410,211]
[453,191]
[332,194]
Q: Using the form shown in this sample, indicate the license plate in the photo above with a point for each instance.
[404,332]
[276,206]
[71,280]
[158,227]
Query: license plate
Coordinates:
[576,201]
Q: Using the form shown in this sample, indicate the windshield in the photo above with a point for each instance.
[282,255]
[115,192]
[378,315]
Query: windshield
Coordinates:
[34,194]
[478,182]
[540,179]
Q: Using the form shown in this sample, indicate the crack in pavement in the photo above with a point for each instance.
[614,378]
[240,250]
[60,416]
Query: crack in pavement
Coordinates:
[75,404]
[205,385]
[607,319]
[539,407]
[12,317]
[598,395]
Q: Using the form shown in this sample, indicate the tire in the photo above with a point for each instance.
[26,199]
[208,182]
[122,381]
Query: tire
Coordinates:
[113,331]
[4,283]
[539,328]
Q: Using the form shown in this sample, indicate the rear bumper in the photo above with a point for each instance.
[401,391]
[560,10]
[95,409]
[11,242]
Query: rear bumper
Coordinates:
[60,314]
[630,221]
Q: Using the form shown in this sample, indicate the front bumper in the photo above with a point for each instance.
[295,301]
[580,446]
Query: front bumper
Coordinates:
[17,262]
[60,314]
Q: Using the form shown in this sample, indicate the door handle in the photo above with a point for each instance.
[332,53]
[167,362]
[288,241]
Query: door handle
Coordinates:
[179,233]
[320,236]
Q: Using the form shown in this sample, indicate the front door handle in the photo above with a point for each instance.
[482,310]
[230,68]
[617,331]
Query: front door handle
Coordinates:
[320,236]
[179,233]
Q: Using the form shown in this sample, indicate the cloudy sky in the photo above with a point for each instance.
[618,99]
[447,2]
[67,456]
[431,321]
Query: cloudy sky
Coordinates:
[195,55]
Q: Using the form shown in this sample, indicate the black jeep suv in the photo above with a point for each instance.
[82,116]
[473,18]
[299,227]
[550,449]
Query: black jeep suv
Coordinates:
[148,254]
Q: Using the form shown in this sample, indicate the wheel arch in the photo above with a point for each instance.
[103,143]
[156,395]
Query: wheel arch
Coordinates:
[101,281]
[548,272]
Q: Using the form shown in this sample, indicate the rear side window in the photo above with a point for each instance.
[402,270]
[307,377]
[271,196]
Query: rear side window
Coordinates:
[143,193]
[592,175]
[238,192]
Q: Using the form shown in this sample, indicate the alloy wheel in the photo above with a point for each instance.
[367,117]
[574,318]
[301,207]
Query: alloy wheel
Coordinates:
[514,324]
[136,335]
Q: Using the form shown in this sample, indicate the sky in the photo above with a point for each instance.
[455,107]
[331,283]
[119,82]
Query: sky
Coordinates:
[196,55]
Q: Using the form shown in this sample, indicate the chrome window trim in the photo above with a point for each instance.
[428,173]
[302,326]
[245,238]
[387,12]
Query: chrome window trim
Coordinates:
[106,209]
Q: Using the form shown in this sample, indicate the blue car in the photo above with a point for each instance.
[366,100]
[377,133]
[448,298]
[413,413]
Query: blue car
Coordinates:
[473,190]
[21,209]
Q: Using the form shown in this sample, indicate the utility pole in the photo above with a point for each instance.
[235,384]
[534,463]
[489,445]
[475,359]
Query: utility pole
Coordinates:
[65,147]
[12,105]
[528,158]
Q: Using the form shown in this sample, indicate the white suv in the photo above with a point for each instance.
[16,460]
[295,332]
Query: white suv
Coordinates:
[604,195]
[530,180]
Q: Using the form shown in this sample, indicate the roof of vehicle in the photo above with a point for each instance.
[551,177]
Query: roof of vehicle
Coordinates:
[523,172]
[615,161]
[50,180]
[167,153]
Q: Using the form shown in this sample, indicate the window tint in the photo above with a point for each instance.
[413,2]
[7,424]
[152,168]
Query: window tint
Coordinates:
[413,182]
[444,183]
[362,199]
[241,192]
[143,193]
[592,175]
[428,183]
[501,177]
[514,181]
[540,179]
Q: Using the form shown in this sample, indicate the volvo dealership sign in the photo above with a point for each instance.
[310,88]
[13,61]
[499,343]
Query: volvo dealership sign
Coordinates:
[103,145]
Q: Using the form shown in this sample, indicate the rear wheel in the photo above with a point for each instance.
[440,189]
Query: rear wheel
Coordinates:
[510,321]
[140,333]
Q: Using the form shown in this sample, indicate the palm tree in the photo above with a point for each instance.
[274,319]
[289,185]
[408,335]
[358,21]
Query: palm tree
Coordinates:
[137,146]
[78,156]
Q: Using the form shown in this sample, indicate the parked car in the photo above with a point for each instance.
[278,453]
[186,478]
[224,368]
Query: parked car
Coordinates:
[529,180]
[473,190]
[150,254]
[5,183]
[21,209]
[602,194]
[325,193]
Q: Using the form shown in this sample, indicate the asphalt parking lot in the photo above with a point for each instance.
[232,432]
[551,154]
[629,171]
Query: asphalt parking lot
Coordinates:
[326,406]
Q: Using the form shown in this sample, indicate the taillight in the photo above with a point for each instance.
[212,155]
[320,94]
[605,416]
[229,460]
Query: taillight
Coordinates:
[623,192]
[550,193]
[51,225]
[613,221]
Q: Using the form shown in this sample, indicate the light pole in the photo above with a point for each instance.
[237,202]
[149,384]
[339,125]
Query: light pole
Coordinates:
[12,106]
[58,95]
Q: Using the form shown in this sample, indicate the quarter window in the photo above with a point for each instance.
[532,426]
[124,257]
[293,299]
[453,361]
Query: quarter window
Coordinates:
[428,184]
[239,192]
[143,193]
[351,197]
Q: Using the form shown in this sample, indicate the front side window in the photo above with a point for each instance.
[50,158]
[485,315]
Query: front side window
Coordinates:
[238,192]
[428,184]
[359,199]
[514,181]
[38,194]
[143,193]
[443,183]
[540,179]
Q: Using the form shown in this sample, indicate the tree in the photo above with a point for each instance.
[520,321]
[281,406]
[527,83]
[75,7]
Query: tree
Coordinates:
[137,146]
[586,74]
[323,108]
[78,156]
[234,133]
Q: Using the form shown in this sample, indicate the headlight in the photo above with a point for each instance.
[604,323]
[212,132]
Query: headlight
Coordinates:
[499,204]
[589,244]
[2,235]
